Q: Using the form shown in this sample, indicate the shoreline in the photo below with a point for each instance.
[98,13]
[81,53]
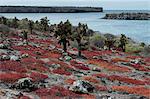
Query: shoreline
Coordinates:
[48,9]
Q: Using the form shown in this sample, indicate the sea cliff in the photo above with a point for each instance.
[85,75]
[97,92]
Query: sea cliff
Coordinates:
[39,9]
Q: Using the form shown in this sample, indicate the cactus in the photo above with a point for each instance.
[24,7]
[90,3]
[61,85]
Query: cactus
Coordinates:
[123,41]
[3,20]
[64,31]
[109,43]
[81,31]
[31,24]
[15,23]
[44,23]
[25,35]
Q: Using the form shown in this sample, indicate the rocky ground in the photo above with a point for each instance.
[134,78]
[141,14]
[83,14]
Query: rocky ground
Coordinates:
[38,69]
[128,16]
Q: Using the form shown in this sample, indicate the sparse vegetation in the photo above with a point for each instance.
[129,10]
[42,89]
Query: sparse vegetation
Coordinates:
[33,64]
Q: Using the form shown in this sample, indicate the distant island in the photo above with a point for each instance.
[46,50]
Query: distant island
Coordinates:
[128,16]
[41,9]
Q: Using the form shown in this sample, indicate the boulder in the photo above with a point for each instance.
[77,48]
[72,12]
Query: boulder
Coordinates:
[65,54]
[14,58]
[24,83]
[81,86]
[68,58]
[5,57]
[136,61]
[3,46]
[55,66]
[12,94]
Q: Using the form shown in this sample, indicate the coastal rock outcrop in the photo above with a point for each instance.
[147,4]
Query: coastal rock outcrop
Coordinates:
[128,16]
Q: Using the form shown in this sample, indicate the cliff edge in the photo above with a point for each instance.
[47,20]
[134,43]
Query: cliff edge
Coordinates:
[38,9]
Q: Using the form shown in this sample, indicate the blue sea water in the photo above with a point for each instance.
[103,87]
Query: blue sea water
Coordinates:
[139,30]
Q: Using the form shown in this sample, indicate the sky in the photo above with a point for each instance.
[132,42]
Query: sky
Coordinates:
[106,4]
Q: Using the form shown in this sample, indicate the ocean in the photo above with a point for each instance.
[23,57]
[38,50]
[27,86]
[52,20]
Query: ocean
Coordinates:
[138,30]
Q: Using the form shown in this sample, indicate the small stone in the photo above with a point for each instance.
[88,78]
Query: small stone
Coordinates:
[38,53]
[96,69]
[55,66]
[61,59]
[95,57]
[52,47]
[24,55]
[68,58]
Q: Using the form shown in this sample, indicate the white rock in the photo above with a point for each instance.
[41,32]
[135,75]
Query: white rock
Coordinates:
[51,47]
[14,58]
[136,61]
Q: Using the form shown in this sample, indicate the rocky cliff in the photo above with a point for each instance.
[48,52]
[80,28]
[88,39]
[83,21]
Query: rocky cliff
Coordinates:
[128,16]
[37,9]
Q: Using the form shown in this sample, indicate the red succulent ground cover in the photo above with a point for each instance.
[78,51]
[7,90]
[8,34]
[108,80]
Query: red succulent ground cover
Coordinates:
[24,97]
[90,54]
[100,75]
[63,65]
[29,60]
[122,79]
[53,55]
[101,88]
[133,57]
[115,60]
[57,92]
[12,66]
[133,90]
[140,67]
[147,59]
[38,67]
[127,80]
[10,77]
[90,79]
[34,64]
[109,66]
[61,71]
[38,76]
[79,65]
[19,48]
[69,81]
